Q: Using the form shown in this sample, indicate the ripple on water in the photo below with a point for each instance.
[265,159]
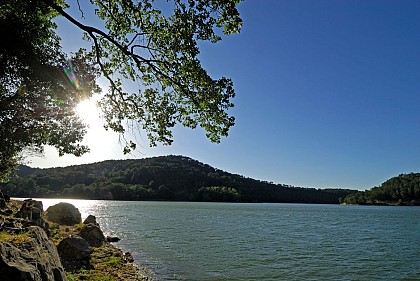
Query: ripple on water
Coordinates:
[211,241]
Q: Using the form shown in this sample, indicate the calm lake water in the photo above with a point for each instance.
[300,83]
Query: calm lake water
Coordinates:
[222,241]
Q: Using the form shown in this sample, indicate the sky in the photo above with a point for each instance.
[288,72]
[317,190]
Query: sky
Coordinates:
[328,95]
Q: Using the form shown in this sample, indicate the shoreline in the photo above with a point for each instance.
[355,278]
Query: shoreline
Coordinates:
[105,261]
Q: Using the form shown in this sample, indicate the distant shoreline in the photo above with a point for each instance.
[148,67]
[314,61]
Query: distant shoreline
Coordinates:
[384,203]
[168,178]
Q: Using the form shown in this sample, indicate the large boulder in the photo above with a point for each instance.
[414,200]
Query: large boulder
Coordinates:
[64,214]
[34,260]
[74,251]
[93,235]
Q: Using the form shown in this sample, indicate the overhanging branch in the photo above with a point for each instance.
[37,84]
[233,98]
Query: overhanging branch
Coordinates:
[139,60]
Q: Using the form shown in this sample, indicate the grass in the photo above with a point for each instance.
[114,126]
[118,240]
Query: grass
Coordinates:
[105,266]
[15,238]
[59,232]
[91,275]
[104,258]
[78,226]
[113,261]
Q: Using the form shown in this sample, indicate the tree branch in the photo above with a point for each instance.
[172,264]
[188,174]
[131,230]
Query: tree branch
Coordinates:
[137,58]
[80,9]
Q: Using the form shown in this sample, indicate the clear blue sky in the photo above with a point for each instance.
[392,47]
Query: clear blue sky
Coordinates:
[328,95]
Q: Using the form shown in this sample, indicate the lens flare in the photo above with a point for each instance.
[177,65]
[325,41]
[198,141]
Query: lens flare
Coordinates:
[68,70]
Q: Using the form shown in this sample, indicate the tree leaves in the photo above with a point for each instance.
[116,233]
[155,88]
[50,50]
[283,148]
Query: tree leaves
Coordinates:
[151,43]
[36,99]
[156,46]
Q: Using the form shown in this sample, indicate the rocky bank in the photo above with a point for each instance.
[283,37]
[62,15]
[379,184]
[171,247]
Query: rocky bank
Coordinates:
[55,245]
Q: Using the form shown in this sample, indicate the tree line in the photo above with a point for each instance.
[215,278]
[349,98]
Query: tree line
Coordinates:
[174,178]
[401,190]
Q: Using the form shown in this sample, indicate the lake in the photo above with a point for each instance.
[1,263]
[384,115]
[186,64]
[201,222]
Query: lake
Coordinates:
[224,241]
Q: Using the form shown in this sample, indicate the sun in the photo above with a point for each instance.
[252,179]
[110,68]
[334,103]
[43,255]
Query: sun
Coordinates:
[88,111]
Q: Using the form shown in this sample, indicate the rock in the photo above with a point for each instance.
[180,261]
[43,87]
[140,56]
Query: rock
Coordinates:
[90,219]
[112,239]
[74,252]
[128,257]
[6,212]
[93,235]
[11,223]
[64,214]
[34,203]
[32,210]
[34,260]
[4,198]
[2,201]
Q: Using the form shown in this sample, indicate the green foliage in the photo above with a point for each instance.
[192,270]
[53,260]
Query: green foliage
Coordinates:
[160,178]
[218,193]
[402,190]
[153,44]
[36,98]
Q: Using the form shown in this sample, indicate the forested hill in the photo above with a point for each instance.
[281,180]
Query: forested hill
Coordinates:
[401,190]
[159,178]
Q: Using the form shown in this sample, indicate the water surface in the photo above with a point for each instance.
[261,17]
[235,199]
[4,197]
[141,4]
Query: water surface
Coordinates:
[223,241]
